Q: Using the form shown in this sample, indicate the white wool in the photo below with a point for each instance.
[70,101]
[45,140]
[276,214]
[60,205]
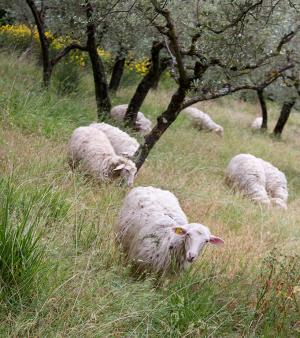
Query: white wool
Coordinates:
[276,185]
[256,124]
[143,124]
[146,231]
[123,144]
[257,179]
[92,147]
[202,120]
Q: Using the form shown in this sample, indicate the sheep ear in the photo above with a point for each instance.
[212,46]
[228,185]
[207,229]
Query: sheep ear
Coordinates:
[119,167]
[179,230]
[215,240]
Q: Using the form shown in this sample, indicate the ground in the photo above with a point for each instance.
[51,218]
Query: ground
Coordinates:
[87,289]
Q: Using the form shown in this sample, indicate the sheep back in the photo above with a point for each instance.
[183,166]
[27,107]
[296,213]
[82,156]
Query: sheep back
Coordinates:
[123,144]
[143,124]
[256,124]
[202,120]
[246,174]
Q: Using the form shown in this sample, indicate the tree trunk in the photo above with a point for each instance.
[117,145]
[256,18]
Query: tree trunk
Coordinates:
[163,123]
[263,106]
[100,82]
[146,84]
[117,73]
[39,21]
[283,117]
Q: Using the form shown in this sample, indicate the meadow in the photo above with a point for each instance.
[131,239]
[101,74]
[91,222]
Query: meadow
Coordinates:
[72,280]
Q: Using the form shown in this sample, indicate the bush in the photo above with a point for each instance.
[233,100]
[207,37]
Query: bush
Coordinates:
[278,295]
[67,77]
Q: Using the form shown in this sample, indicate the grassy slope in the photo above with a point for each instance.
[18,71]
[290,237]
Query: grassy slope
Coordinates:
[90,292]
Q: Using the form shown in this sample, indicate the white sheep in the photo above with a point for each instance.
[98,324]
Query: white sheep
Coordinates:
[154,231]
[142,124]
[257,179]
[256,124]
[123,144]
[92,147]
[203,121]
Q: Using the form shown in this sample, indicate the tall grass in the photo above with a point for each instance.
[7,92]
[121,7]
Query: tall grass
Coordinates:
[21,253]
[244,289]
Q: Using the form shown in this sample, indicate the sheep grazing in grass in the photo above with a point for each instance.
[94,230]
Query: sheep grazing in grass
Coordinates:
[257,179]
[256,124]
[155,234]
[123,144]
[92,147]
[142,124]
[203,121]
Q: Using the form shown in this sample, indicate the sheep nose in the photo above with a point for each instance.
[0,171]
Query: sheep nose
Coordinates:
[190,257]
[130,184]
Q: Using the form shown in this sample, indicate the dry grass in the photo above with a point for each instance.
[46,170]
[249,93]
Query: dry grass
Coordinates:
[91,292]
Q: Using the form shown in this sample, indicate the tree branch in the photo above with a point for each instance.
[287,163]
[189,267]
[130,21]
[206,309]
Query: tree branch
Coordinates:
[228,89]
[284,40]
[67,50]
[239,18]
[171,34]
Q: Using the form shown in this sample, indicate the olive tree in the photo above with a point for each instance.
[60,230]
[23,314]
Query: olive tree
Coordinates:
[218,49]
[101,24]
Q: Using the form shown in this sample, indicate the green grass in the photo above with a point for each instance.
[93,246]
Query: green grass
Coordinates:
[23,214]
[84,288]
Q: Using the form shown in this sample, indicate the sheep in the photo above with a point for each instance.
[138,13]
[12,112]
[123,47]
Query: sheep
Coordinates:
[256,124]
[154,232]
[257,179]
[203,121]
[91,147]
[142,124]
[123,144]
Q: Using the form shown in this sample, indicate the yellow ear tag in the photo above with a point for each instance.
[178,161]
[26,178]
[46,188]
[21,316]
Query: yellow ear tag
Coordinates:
[179,231]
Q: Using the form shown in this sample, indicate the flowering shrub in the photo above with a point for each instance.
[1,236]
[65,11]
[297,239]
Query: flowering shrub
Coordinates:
[20,37]
[140,66]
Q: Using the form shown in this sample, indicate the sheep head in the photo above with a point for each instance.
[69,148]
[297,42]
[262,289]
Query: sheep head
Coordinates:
[143,125]
[219,131]
[195,237]
[127,170]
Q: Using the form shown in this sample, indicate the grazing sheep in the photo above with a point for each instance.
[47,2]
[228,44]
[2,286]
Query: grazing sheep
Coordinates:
[155,234]
[256,124]
[257,179]
[91,147]
[123,144]
[142,124]
[203,121]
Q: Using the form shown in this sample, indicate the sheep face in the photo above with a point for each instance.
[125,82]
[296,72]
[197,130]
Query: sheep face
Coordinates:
[196,236]
[127,170]
[219,131]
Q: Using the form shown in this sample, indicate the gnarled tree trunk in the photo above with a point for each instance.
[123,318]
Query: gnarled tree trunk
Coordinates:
[40,24]
[264,111]
[100,82]
[155,71]
[163,123]
[283,117]
[117,74]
